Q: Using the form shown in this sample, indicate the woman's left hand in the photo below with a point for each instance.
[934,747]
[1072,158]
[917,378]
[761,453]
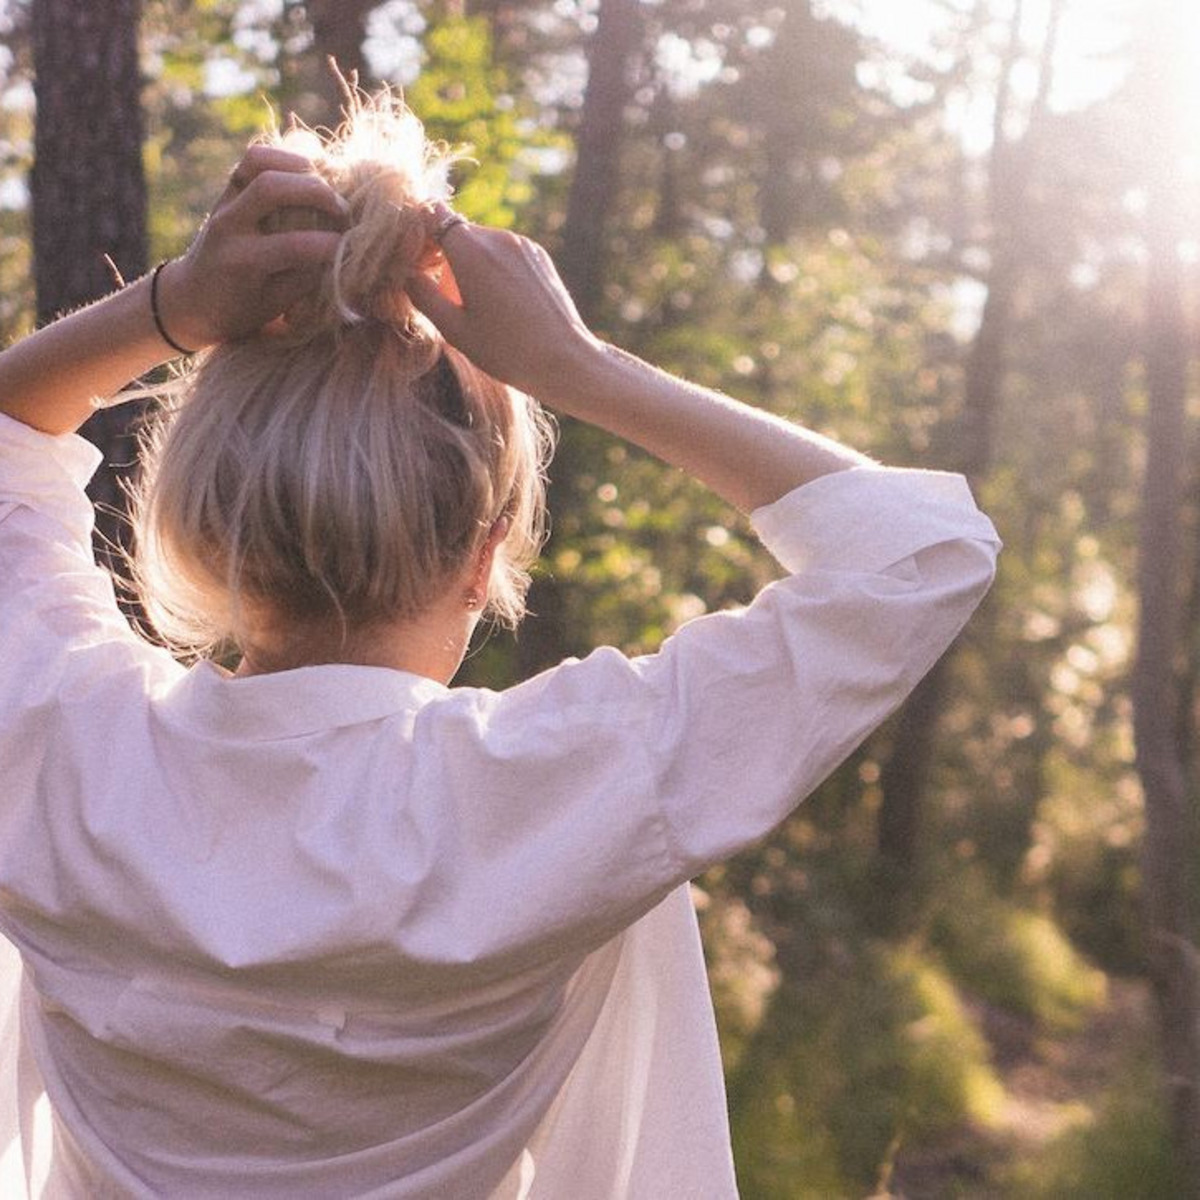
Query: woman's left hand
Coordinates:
[236,278]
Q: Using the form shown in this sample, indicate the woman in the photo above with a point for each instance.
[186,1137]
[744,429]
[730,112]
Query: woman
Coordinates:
[327,926]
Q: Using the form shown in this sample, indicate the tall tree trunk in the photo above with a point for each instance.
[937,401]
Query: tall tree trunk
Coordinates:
[581,258]
[308,84]
[88,191]
[597,152]
[904,780]
[339,30]
[789,130]
[668,215]
[1169,846]
[1189,679]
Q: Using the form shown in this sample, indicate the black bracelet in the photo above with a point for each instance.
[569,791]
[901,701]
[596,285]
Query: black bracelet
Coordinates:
[158,321]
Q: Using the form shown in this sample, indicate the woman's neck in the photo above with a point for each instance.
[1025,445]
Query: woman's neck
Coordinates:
[431,645]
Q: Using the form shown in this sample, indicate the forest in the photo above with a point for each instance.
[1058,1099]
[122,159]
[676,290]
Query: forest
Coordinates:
[961,234]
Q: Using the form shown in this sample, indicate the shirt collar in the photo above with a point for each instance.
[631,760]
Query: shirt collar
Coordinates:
[293,703]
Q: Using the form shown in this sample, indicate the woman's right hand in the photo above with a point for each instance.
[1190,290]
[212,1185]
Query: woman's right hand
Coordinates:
[503,305]
[500,301]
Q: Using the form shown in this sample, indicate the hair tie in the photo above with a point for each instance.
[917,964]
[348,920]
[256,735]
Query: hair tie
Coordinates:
[158,321]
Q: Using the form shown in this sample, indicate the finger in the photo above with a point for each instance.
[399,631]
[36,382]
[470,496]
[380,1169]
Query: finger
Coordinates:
[296,249]
[285,288]
[271,190]
[438,307]
[476,255]
[258,159]
[448,283]
[441,219]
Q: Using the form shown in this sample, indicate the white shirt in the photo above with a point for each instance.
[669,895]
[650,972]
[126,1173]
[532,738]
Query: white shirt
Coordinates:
[342,931]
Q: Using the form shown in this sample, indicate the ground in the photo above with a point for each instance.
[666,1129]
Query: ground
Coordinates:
[1053,1083]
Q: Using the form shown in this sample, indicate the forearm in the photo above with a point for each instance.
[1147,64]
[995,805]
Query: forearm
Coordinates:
[52,379]
[748,457]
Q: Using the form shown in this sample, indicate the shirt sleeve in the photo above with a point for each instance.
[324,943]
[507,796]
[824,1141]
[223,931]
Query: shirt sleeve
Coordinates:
[47,474]
[60,626]
[604,782]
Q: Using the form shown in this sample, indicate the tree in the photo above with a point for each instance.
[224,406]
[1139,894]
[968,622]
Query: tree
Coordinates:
[598,145]
[1011,167]
[338,29]
[1168,854]
[803,105]
[88,190]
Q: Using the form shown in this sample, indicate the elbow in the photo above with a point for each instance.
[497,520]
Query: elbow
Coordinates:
[956,577]
[980,561]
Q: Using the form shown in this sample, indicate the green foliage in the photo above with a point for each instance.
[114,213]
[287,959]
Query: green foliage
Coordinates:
[196,133]
[1012,957]
[1122,1151]
[463,97]
[741,968]
[1085,854]
[876,1050]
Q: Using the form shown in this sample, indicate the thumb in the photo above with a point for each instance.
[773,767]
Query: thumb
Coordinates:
[427,296]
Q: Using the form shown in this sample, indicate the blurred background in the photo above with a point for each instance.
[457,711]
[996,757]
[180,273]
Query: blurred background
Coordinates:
[956,233]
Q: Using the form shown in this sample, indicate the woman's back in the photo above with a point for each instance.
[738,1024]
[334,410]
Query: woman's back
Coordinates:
[263,953]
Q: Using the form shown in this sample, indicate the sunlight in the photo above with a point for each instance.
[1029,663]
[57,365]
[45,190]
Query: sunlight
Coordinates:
[1091,64]
[1186,18]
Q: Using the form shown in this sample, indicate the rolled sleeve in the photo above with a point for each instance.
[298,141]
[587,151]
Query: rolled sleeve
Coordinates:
[758,706]
[868,518]
[47,473]
[61,631]
[639,773]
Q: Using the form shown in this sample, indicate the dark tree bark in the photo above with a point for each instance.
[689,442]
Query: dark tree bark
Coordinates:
[598,146]
[1169,846]
[88,187]
[88,190]
[668,213]
[1169,838]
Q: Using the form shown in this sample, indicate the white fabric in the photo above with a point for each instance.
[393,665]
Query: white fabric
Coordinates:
[342,931]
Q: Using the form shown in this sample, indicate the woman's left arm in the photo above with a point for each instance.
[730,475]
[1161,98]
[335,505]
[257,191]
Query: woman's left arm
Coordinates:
[234,280]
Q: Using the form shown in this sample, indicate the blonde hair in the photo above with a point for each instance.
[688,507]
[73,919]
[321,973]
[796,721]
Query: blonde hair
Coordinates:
[349,467]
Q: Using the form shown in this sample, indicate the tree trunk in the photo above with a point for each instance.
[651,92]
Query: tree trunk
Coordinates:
[1169,824]
[790,129]
[339,30]
[905,777]
[88,192]
[544,640]
[597,153]
[1169,846]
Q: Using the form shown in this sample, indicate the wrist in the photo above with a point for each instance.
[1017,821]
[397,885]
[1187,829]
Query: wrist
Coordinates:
[157,304]
[177,327]
[578,376]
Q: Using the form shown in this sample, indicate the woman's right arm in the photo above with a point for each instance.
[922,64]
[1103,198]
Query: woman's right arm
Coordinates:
[612,779]
[504,306]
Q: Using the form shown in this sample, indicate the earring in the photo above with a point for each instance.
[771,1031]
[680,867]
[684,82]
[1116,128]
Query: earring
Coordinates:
[472,601]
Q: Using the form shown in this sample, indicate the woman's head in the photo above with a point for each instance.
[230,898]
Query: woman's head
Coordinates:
[347,469]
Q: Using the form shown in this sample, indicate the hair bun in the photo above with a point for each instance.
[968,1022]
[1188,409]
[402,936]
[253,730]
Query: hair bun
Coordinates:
[390,175]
